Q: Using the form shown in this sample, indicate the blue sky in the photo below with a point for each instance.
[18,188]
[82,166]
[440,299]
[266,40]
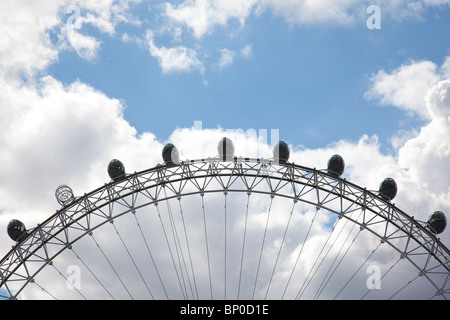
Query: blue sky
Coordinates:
[83,82]
[308,81]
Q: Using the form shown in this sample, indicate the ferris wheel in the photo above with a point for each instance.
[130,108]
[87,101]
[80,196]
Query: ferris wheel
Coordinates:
[228,227]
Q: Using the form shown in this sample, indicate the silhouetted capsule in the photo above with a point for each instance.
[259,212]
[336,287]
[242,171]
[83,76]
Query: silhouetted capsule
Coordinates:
[336,165]
[16,230]
[281,152]
[437,222]
[116,170]
[388,189]
[170,154]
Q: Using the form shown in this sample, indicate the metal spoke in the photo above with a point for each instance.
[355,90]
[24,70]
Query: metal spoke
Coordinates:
[188,247]
[381,278]
[132,260]
[262,245]
[279,250]
[300,252]
[170,250]
[243,244]
[308,279]
[67,281]
[207,245]
[111,265]
[92,273]
[357,270]
[44,290]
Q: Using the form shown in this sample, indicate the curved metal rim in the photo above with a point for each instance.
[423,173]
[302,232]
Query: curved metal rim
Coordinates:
[54,230]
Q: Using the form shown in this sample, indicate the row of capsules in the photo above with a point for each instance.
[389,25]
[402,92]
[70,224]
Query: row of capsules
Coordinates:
[437,221]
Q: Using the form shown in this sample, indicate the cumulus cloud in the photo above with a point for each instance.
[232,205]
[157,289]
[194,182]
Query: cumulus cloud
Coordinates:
[229,56]
[226,58]
[55,133]
[431,148]
[436,2]
[175,59]
[202,16]
[445,68]
[105,16]
[86,47]
[246,51]
[25,46]
[420,88]
[316,12]
[405,87]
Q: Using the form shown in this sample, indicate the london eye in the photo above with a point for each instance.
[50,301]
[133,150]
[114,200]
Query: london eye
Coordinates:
[228,227]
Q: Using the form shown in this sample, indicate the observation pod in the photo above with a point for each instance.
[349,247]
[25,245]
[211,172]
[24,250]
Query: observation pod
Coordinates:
[16,230]
[437,222]
[64,195]
[170,154]
[281,152]
[226,149]
[336,165]
[388,189]
[116,170]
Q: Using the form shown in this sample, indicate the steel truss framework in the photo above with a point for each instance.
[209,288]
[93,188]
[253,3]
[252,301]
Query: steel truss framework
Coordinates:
[409,237]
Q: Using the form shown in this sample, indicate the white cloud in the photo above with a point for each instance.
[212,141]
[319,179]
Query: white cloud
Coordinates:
[315,12]
[438,100]
[86,47]
[445,68]
[345,12]
[405,87]
[226,58]
[246,51]
[399,139]
[431,148]
[422,88]
[25,24]
[436,2]
[202,16]
[106,15]
[175,59]
[54,133]
[25,46]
